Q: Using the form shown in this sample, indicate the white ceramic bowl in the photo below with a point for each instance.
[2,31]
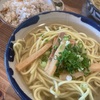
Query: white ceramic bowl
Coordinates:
[78,22]
[93,11]
[55,4]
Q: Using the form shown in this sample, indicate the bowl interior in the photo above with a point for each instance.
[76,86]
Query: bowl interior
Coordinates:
[78,22]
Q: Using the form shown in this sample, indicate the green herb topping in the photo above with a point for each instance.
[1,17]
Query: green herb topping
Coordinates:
[72,59]
[44,59]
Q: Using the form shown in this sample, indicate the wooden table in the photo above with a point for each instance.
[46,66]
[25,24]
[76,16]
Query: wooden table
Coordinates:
[6,91]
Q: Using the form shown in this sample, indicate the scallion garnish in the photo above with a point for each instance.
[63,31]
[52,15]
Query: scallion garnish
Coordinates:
[72,59]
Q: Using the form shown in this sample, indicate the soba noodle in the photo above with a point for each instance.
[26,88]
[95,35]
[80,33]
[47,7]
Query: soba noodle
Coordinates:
[96,3]
[45,87]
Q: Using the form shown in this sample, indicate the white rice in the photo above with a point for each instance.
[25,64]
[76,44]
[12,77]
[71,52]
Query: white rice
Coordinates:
[16,11]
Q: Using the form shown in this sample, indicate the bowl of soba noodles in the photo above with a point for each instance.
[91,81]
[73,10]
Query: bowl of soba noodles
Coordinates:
[55,56]
[94,8]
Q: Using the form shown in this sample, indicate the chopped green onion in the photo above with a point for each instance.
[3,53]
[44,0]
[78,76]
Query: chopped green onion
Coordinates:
[84,86]
[55,47]
[47,53]
[43,64]
[67,37]
[46,40]
[80,44]
[72,59]
[67,42]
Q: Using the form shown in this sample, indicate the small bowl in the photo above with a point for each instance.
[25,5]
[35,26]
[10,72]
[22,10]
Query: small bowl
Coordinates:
[56,5]
[78,22]
[93,10]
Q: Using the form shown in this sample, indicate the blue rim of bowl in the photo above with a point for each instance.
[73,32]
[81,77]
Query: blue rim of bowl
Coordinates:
[13,83]
[93,6]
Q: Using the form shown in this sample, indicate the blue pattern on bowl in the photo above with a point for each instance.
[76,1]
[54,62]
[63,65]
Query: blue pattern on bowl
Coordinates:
[9,56]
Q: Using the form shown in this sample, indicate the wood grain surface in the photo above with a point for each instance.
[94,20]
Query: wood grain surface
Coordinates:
[6,91]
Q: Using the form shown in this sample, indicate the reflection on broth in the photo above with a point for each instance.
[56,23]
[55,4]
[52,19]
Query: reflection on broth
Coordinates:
[59,63]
